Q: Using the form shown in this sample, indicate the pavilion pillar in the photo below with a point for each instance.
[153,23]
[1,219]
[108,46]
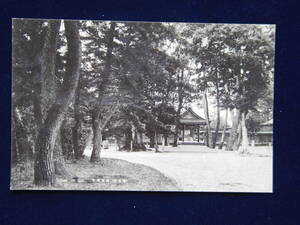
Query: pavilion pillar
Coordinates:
[198,133]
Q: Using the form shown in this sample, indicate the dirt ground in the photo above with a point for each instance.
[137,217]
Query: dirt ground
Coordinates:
[197,168]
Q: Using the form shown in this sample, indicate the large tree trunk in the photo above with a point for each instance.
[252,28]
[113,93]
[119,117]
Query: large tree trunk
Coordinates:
[234,129]
[238,140]
[152,140]
[44,173]
[45,143]
[178,112]
[138,144]
[58,158]
[66,141]
[37,107]
[156,141]
[76,135]
[218,112]
[98,127]
[133,137]
[245,142]
[166,139]
[77,128]
[118,142]
[206,113]
[128,140]
[224,130]
[217,124]
[141,140]
[48,60]
[175,142]
[97,139]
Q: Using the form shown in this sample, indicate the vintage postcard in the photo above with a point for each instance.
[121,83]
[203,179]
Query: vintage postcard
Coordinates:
[142,106]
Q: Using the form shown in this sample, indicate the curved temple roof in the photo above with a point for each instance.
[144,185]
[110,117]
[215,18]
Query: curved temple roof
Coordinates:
[191,118]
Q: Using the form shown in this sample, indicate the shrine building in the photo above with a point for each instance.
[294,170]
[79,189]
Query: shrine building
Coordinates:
[192,127]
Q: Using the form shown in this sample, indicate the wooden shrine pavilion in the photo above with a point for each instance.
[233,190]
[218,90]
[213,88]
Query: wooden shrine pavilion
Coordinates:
[192,127]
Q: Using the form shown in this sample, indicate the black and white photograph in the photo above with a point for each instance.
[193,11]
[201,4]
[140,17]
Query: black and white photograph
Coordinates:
[142,106]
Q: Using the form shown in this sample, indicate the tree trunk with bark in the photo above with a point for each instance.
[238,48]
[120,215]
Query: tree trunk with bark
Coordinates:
[238,140]
[152,140]
[133,137]
[48,91]
[217,124]
[138,144]
[156,142]
[236,117]
[128,140]
[58,159]
[175,142]
[245,141]
[44,173]
[48,61]
[166,139]
[224,130]
[98,127]
[141,141]
[66,141]
[218,111]
[97,139]
[77,128]
[180,104]
[206,113]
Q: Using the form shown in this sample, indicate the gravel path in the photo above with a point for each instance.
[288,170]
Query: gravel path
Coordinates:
[197,168]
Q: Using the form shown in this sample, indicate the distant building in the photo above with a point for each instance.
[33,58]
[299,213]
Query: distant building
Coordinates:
[192,127]
[265,134]
[193,130]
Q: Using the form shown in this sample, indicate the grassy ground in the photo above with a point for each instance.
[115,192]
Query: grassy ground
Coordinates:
[135,177]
